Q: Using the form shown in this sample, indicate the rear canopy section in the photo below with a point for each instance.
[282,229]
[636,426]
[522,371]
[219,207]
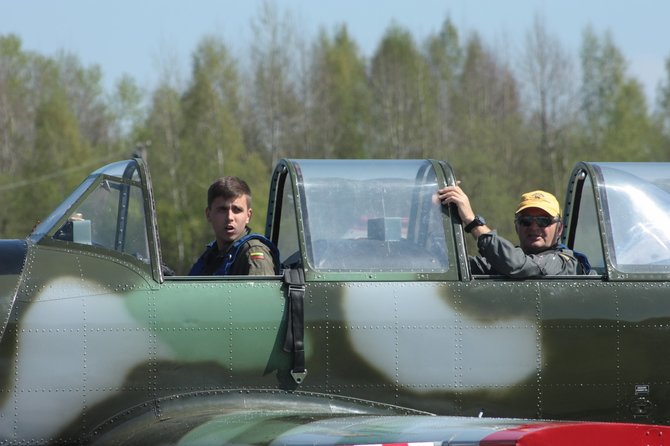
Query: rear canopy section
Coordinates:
[619,216]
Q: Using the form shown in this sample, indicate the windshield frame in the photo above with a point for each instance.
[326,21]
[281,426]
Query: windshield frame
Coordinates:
[127,174]
[311,180]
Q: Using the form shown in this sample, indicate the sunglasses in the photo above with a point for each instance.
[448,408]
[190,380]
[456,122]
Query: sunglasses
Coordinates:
[542,222]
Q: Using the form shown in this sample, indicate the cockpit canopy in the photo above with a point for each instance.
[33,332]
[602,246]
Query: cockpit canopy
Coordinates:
[360,219]
[633,200]
[371,216]
[108,210]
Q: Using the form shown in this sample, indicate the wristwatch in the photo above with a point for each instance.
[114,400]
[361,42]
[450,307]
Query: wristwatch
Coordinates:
[478,221]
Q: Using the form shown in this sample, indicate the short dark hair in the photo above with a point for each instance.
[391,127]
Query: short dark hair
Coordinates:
[228,187]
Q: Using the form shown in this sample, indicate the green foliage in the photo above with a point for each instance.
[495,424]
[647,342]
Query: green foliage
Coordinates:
[54,123]
[506,127]
[663,109]
[126,105]
[616,124]
[404,98]
[339,120]
[662,117]
[550,106]
[276,111]
[16,116]
[444,57]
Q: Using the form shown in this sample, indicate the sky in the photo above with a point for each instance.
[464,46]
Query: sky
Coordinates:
[135,37]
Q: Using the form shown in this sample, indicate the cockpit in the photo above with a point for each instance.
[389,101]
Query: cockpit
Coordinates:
[369,216]
[108,210]
[361,219]
[634,202]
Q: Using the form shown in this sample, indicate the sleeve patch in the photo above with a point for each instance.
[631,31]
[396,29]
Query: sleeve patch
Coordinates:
[257,255]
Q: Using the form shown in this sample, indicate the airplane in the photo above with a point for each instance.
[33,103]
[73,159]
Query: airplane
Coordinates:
[375,332]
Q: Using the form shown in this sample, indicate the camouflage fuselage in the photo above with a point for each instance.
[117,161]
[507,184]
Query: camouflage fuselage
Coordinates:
[88,338]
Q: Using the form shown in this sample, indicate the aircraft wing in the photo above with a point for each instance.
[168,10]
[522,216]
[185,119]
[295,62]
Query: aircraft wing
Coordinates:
[252,418]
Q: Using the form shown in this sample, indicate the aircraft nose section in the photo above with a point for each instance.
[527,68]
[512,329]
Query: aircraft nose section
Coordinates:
[12,259]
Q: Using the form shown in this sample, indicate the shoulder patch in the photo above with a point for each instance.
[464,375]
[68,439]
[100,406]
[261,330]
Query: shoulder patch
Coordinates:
[256,255]
[566,257]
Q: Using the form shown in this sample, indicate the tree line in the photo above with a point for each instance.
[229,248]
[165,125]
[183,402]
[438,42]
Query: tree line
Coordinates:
[506,124]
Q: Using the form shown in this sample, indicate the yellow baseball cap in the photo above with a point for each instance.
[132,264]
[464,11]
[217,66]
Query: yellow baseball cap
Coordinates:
[541,200]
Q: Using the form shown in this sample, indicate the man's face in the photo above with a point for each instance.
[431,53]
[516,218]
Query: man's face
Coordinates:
[534,238]
[229,218]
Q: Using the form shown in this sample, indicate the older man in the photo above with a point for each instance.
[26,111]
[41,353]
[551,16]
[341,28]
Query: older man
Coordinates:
[538,225]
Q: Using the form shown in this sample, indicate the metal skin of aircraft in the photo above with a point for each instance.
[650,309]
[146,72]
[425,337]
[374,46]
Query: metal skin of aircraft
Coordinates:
[376,332]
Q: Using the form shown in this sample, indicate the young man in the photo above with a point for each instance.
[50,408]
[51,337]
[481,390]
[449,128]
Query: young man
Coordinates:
[538,225]
[236,251]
